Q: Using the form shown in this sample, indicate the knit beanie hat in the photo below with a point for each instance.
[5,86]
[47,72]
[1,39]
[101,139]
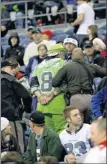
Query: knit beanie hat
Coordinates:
[4,123]
[37,118]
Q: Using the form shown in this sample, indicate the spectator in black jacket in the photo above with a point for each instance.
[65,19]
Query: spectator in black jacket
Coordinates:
[91,55]
[15,99]
[15,50]
[79,76]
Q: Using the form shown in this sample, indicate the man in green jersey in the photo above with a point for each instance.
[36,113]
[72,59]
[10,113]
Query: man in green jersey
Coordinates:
[50,100]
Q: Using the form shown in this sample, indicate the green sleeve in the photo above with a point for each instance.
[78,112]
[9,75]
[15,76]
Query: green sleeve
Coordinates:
[27,155]
[55,148]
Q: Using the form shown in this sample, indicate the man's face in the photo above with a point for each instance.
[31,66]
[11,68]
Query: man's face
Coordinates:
[15,70]
[29,34]
[97,136]
[69,47]
[37,36]
[89,51]
[75,117]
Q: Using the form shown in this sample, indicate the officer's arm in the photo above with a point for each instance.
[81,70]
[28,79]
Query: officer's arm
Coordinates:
[59,78]
[99,71]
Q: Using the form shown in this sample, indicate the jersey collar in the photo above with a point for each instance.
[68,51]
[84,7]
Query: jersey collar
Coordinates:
[77,130]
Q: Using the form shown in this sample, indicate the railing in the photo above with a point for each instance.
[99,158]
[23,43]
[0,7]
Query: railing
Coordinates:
[26,17]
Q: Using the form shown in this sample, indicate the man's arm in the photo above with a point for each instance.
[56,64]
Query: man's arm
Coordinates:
[27,155]
[99,71]
[96,101]
[55,148]
[59,77]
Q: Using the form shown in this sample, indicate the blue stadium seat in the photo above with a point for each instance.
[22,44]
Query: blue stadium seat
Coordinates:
[60,38]
[70,31]
[58,32]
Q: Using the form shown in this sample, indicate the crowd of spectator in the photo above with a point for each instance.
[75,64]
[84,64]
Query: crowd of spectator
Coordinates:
[17,12]
[54,95]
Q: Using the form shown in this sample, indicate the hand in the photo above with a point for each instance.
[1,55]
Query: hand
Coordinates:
[72,24]
[99,118]
[70,158]
[44,99]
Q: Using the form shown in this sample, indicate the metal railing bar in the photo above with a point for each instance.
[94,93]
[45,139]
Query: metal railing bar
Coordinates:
[41,15]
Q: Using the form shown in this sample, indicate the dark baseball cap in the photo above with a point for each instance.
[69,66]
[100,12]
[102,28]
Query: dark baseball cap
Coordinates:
[9,62]
[37,118]
[30,28]
[88,44]
[36,30]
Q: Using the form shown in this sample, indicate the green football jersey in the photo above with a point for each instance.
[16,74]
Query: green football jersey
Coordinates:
[45,71]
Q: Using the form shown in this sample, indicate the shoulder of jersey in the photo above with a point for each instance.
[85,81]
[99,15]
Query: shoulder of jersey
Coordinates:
[86,126]
[64,132]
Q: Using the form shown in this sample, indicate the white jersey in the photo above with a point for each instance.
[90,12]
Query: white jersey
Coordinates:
[96,155]
[76,143]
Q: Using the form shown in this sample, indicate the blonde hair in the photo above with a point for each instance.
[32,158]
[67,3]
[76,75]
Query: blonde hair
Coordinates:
[100,43]
[94,30]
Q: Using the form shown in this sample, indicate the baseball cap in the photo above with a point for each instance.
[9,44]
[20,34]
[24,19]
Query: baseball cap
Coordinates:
[36,30]
[37,118]
[72,40]
[48,32]
[54,50]
[87,44]
[9,62]
[4,123]
[30,28]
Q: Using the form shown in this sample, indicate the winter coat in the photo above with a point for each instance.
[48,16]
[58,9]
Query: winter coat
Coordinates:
[78,76]
[13,93]
[99,103]
[50,145]
[16,51]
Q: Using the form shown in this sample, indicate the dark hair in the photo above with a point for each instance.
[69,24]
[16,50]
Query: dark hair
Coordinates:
[42,45]
[48,160]
[67,111]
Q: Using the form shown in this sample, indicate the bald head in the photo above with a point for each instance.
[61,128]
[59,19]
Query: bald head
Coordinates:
[77,53]
[101,124]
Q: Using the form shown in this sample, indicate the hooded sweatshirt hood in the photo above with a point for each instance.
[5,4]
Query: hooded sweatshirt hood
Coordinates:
[14,34]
